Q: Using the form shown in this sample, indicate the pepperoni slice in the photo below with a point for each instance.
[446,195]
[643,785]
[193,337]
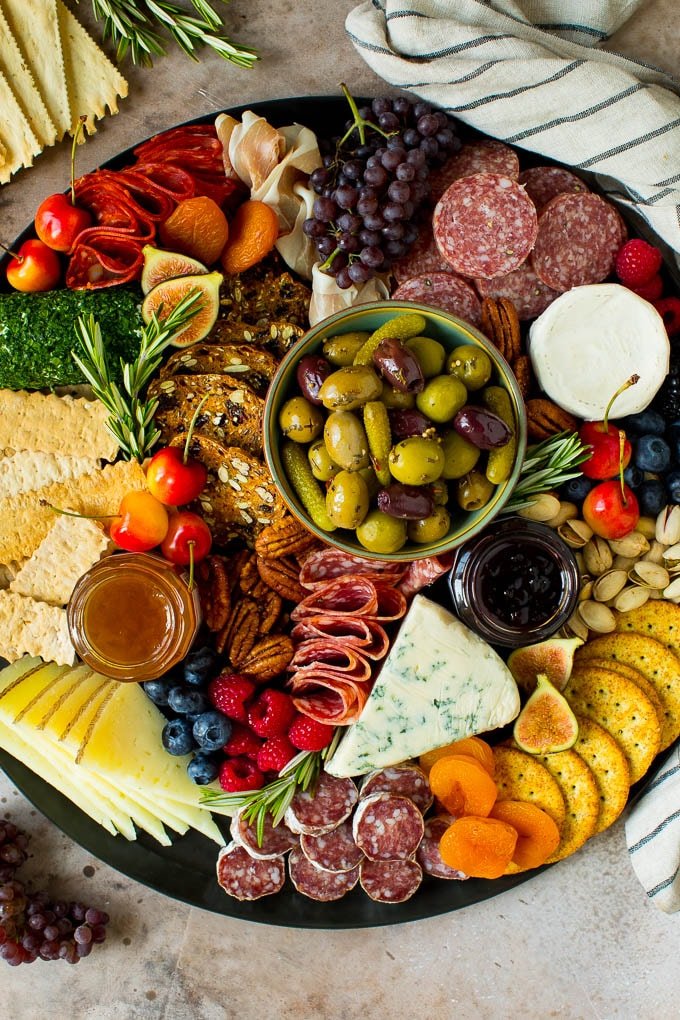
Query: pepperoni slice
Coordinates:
[529,295]
[367,636]
[276,840]
[544,182]
[246,878]
[333,851]
[486,156]
[390,881]
[322,808]
[387,827]
[318,883]
[403,780]
[445,290]
[428,855]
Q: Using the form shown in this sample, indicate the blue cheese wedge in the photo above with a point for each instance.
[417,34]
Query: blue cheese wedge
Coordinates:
[440,682]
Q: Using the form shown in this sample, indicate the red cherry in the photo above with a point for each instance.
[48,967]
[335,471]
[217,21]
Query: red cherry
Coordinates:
[142,522]
[611,509]
[33,267]
[604,441]
[174,480]
[188,538]
[58,222]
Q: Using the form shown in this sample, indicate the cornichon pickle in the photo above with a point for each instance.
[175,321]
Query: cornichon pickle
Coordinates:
[346,441]
[323,468]
[341,350]
[347,499]
[350,387]
[501,461]
[378,433]
[401,327]
[304,483]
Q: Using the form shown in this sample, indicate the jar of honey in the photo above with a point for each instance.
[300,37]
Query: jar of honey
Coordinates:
[132,616]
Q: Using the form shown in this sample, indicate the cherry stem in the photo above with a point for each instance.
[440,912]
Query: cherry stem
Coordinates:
[191,543]
[72,513]
[74,143]
[628,383]
[622,445]
[19,258]
[192,425]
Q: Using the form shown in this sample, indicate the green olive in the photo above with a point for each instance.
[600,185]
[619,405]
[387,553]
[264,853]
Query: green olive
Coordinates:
[474,491]
[347,499]
[380,533]
[340,350]
[460,456]
[320,462]
[440,492]
[392,398]
[346,441]
[416,461]
[349,388]
[300,421]
[432,528]
[429,353]
[470,364]
[441,398]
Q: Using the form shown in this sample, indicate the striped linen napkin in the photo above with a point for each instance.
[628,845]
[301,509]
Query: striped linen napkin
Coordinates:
[529,73]
[653,836]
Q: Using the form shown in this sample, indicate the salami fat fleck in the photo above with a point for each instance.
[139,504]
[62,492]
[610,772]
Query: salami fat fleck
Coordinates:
[390,881]
[318,883]
[367,636]
[275,840]
[445,290]
[326,564]
[420,573]
[529,295]
[387,827]
[485,225]
[321,809]
[544,182]
[486,156]
[404,780]
[428,855]
[246,878]
[333,851]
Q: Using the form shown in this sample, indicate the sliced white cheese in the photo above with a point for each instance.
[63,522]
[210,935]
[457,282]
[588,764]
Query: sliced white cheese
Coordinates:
[439,682]
[590,340]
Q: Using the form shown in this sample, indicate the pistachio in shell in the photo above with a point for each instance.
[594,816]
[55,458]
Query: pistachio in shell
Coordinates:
[546,724]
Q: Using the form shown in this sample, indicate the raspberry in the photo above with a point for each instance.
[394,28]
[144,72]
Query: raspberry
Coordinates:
[275,753]
[272,713]
[242,742]
[637,262]
[309,735]
[652,290]
[669,310]
[238,774]
[229,692]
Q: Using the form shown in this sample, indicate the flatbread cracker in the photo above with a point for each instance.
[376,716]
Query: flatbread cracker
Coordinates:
[71,547]
[8,571]
[15,68]
[17,137]
[521,776]
[28,627]
[49,424]
[579,789]
[29,470]
[608,764]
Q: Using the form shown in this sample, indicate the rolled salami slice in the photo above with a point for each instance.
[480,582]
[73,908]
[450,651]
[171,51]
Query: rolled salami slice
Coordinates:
[246,878]
[404,780]
[485,225]
[276,840]
[420,573]
[328,697]
[353,595]
[428,855]
[390,881]
[387,827]
[486,156]
[104,257]
[318,883]
[326,564]
[544,182]
[529,295]
[369,637]
[445,290]
[578,238]
[331,653]
[333,851]
[319,810]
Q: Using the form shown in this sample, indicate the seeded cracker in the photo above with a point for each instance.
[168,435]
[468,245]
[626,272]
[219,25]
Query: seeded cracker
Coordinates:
[28,627]
[16,70]
[50,424]
[29,470]
[71,547]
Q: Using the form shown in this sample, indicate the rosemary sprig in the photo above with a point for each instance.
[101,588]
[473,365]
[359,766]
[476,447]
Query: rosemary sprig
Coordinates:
[546,466]
[274,799]
[131,416]
[129,26]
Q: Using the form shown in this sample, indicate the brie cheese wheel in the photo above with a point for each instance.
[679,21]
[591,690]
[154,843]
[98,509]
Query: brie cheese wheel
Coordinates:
[590,340]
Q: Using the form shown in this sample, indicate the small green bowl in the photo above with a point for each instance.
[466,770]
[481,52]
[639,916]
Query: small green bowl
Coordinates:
[451,332]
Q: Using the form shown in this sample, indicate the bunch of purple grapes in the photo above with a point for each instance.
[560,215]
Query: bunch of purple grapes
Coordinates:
[372,184]
[32,926]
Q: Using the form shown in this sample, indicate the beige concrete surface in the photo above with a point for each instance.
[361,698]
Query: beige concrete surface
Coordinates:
[578,942]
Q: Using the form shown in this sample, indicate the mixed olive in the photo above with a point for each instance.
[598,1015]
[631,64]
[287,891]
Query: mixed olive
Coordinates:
[383,422]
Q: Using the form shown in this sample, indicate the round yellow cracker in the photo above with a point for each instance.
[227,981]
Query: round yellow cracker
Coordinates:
[607,762]
[520,776]
[657,619]
[579,789]
[614,666]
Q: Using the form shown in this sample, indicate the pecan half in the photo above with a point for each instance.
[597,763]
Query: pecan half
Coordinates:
[511,328]
[270,609]
[282,576]
[544,419]
[286,537]
[240,633]
[214,586]
[268,658]
[522,368]
[250,581]
[492,325]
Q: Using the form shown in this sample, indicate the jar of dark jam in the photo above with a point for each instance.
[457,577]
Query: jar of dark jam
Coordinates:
[515,584]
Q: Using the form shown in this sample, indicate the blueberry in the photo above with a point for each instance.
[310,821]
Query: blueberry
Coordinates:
[187,701]
[633,477]
[157,691]
[202,769]
[199,665]
[673,486]
[212,730]
[652,453]
[177,737]
[652,497]
[644,422]
[577,488]
[673,432]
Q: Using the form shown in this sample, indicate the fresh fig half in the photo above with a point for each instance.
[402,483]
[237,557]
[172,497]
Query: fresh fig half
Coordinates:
[166,296]
[546,724]
[554,658]
[160,266]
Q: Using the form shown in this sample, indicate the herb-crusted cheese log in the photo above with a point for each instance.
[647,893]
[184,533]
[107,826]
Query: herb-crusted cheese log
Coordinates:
[440,682]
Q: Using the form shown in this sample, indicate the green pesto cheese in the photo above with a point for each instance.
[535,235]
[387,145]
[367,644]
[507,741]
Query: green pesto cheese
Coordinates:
[38,333]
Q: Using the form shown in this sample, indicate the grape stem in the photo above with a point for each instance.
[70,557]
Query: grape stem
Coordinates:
[329,261]
[359,123]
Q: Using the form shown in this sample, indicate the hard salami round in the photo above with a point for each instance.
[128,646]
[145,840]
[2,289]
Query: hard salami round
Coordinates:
[428,855]
[544,182]
[275,840]
[333,851]
[246,878]
[326,564]
[390,881]
[486,156]
[318,883]
[578,238]
[422,257]
[316,811]
[404,780]
[485,225]
[387,827]
[444,290]
[529,295]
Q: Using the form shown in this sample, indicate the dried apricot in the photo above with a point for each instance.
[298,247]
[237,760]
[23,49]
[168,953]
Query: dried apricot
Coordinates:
[473,746]
[463,786]
[537,833]
[479,847]
[252,235]
[196,227]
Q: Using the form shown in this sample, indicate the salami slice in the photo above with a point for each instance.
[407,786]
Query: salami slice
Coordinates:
[353,595]
[447,291]
[578,238]
[276,840]
[104,257]
[485,225]
[422,257]
[387,827]
[390,881]
[331,653]
[333,851]
[327,563]
[486,156]
[318,883]
[420,573]
[246,878]
[367,636]
[328,697]
[316,811]
[404,780]
[529,295]
[544,182]
[428,855]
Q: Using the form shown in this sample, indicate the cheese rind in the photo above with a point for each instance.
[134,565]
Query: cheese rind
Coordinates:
[439,683]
